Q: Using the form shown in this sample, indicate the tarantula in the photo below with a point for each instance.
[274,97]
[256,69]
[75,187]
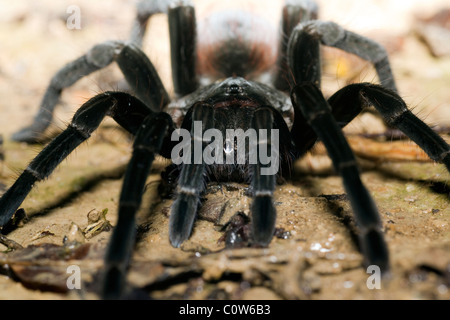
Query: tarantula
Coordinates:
[231,80]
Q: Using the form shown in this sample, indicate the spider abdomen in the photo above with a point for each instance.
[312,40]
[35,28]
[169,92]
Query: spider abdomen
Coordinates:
[235,43]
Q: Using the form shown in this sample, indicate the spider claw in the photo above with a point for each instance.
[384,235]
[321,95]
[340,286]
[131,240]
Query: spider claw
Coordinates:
[181,220]
[375,249]
[263,216]
[113,284]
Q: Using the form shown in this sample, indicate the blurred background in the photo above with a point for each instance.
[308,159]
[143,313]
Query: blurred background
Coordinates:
[35,41]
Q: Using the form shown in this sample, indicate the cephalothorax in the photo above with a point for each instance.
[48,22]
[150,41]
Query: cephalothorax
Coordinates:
[231,81]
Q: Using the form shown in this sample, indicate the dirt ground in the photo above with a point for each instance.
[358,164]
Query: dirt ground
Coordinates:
[313,256]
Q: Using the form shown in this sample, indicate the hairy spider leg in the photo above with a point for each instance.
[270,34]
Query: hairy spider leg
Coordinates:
[149,141]
[145,9]
[183,36]
[143,78]
[294,12]
[263,186]
[136,67]
[191,182]
[308,99]
[304,55]
[122,107]
[395,112]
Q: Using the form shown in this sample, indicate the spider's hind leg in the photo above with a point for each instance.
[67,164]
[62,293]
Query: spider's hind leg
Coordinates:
[294,12]
[145,9]
[136,67]
[303,53]
[183,37]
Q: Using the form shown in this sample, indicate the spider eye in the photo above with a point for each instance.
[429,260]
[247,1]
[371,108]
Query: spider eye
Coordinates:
[234,89]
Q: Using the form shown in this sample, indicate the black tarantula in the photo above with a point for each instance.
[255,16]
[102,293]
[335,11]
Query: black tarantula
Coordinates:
[227,81]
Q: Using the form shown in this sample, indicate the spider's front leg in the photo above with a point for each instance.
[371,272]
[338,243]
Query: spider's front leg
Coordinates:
[124,108]
[263,179]
[191,181]
[151,139]
[263,162]
[310,103]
